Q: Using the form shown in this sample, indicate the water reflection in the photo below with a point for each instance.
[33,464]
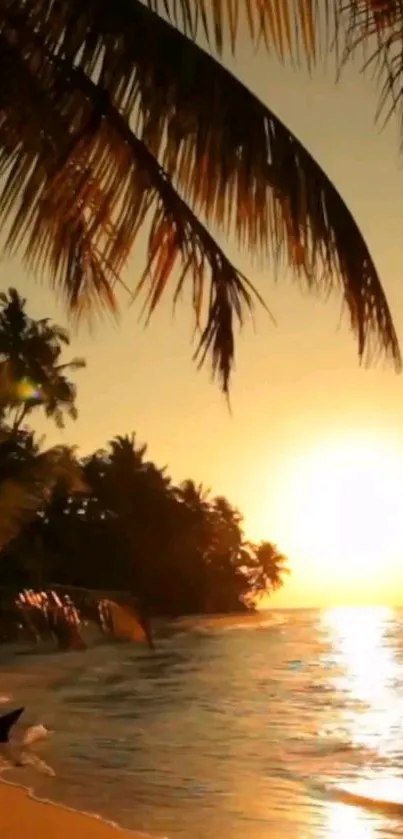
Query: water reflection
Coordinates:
[367,677]
[358,636]
[343,822]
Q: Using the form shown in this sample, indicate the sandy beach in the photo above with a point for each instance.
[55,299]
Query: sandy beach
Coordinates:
[20,816]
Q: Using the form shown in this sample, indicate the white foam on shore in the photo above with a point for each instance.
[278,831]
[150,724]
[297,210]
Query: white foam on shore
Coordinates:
[30,792]
[33,734]
[232,623]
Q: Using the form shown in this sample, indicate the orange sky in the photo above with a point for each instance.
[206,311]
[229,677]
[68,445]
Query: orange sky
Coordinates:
[295,383]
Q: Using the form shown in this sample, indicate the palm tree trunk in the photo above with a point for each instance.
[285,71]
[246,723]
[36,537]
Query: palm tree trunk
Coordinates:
[20,413]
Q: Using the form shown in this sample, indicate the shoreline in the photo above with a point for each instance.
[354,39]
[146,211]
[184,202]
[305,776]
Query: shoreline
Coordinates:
[21,814]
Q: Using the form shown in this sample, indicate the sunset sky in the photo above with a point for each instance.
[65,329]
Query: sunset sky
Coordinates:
[298,389]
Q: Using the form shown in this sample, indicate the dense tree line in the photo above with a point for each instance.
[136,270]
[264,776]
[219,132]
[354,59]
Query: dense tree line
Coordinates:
[112,520]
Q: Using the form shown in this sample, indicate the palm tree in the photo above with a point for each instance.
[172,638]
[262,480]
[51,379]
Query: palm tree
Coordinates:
[115,117]
[267,567]
[28,474]
[30,352]
[27,483]
[195,499]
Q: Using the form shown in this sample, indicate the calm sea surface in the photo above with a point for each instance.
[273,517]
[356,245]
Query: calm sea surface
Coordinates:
[288,725]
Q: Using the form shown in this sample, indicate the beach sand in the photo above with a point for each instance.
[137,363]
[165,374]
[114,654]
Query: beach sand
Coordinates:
[21,816]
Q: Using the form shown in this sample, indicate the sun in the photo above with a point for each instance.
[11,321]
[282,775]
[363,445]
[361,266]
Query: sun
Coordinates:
[341,507]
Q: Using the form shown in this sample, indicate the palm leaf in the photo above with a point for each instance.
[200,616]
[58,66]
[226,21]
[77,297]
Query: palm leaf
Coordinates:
[303,28]
[379,31]
[131,184]
[106,124]
[285,25]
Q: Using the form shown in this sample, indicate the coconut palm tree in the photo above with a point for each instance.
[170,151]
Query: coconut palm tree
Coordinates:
[267,567]
[273,564]
[193,495]
[27,483]
[28,474]
[30,352]
[115,117]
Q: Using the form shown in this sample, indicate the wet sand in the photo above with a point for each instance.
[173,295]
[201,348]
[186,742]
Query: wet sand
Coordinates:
[21,816]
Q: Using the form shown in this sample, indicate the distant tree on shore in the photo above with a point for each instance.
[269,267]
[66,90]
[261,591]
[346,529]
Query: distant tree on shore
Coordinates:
[177,549]
[31,352]
[112,520]
[32,375]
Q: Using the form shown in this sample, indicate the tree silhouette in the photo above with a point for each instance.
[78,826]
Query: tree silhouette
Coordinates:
[112,520]
[176,549]
[31,351]
[267,568]
[115,118]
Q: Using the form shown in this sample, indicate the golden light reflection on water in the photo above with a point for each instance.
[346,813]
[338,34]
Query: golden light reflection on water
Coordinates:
[367,672]
[343,822]
[368,675]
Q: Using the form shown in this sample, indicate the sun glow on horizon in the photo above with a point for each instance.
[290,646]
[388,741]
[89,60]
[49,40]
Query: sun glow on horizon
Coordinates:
[340,515]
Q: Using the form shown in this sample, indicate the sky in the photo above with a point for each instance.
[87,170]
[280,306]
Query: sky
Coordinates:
[298,391]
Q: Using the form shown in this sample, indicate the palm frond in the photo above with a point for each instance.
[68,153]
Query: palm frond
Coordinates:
[76,363]
[104,124]
[287,26]
[292,29]
[381,36]
[373,29]
[302,28]
[50,215]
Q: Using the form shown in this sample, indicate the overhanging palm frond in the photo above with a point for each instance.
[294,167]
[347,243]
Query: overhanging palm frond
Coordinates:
[371,28]
[67,231]
[284,25]
[296,29]
[289,27]
[87,178]
[380,32]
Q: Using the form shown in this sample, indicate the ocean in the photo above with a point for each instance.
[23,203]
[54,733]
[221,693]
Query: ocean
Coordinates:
[288,724]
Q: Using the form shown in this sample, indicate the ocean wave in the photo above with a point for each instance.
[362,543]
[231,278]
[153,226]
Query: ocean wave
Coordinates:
[235,623]
[206,734]
[23,755]
[387,806]
[320,747]
[268,623]
[366,794]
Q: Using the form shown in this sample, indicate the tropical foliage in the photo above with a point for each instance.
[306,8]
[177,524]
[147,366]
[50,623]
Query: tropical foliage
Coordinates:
[118,115]
[113,520]
[178,549]
[31,361]
[32,376]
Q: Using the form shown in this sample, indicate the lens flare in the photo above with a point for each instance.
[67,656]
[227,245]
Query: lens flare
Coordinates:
[28,391]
